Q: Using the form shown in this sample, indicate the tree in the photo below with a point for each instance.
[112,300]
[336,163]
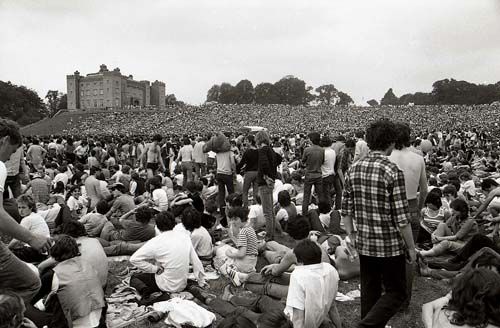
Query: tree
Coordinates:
[372,102]
[244,92]
[327,94]
[344,99]
[20,104]
[170,100]
[266,93]
[291,91]
[63,102]
[53,98]
[389,98]
[227,94]
[213,93]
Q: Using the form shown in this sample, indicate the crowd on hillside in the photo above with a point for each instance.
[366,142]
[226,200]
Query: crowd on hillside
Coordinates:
[282,119]
[187,203]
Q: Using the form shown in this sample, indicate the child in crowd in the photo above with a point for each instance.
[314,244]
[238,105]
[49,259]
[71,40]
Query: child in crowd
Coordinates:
[236,263]
[433,214]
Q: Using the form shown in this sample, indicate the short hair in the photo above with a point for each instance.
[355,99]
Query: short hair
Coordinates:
[10,129]
[235,199]
[102,207]
[434,199]
[450,190]
[143,214]
[284,198]
[326,141]
[274,319]
[156,181]
[11,306]
[251,139]
[192,186]
[380,135]
[28,200]
[74,229]
[299,227]
[157,138]
[211,206]
[324,207]
[315,138]
[403,132]
[350,143]
[262,137]
[191,218]
[488,183]
[186,141]
[238,212]
[307,252]
[359,134]
[165,221]
[64,248]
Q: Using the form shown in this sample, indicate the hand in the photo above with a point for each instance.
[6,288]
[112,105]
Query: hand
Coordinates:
[351,241]
[435,239]
[203,284]
[412,255]
[40,243]
[27,323]
[267,270]
[160,271]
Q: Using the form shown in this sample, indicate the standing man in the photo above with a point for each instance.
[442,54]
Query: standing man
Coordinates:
[16,167]
[375,200]
[361,147]
[312,159]
[15,275]
[199,158]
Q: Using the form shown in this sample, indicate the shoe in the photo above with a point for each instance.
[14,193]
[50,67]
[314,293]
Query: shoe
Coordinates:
[233,275]
[226,295]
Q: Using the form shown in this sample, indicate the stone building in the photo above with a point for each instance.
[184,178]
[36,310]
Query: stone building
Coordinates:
[111,89]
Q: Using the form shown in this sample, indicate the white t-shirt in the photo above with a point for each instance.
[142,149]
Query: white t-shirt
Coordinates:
[161,200]
[328,166]
[3,176]
[202,242]
[36,224]
[313,289]
[256,215]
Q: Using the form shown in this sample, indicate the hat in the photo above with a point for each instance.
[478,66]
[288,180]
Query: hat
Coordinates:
[117,185]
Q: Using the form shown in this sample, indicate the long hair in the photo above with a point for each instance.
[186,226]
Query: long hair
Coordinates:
[475,297]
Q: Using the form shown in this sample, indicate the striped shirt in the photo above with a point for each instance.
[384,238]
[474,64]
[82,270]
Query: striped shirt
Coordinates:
[247,238]
[375,198]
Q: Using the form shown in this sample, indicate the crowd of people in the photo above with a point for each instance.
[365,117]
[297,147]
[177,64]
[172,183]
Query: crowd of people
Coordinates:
[335,203]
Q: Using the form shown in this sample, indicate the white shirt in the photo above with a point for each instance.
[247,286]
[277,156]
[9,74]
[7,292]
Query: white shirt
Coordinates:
[202,242]
[35,224]
[160,198]
[61,177]
[312,289]
[361,150]
[328,167]
[256,216]
[172,251]
[3,176]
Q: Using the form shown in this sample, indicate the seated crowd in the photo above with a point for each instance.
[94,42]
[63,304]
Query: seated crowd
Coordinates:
[182,206]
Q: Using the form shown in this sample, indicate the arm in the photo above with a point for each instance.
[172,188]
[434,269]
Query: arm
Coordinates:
[423,186]
[464,230]
[142,256]
[239,253]
[400,213]
[428,310]
[198,270]
[278,269]
[127,215]
[298,318]
[487,202]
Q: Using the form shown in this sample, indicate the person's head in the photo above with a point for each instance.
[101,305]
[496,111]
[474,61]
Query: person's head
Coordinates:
[315,138]
[59,188]
[74,229]
[26,205]
[274,319]
[102,207]
[350,145]
[403,135]
[324,207]
[210,206]
[299,228]
[359,134]
[475,297]
[250,140]
[433,201]
[465,176]
[262,138]
[487,260]
[118,189]
[488,185]
[143,214]
[157,138]
[192,186]
[450,192]
[126,169]
[186,141]
[191,218]
[165,221]
[10,139]
[74,191]
[64,248]
[238,216]
[234,200]
[381,135]
[12,309]
[460,208]
[326,141]
[155,182]
[284,198]
[307,252]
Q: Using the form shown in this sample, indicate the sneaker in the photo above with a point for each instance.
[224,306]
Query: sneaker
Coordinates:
[233,275]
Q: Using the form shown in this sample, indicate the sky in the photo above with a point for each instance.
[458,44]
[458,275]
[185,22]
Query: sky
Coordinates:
[363,47]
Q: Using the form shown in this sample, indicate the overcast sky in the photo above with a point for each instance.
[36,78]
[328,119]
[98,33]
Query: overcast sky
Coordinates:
[362,47]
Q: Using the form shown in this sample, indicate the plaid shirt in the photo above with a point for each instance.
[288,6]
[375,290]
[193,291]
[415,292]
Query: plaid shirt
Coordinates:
[375,198]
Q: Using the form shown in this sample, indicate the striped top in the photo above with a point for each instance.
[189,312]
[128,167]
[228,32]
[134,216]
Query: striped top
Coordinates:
[247,238]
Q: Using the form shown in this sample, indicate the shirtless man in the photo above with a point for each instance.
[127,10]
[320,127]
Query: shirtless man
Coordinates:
[152,156]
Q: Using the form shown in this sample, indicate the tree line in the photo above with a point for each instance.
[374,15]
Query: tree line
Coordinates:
[445,92]
[289,90]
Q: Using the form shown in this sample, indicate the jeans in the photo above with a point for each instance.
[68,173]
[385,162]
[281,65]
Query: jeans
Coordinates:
[337,185]
[318,187]
[389,272]
[253,303]
[224,181]
[16,276]
[276,287]
[187,172]
[328,183]
[266,198]
[475,244]
[14,183]
[199,169]
[250,179]
[414,217]
[144,283]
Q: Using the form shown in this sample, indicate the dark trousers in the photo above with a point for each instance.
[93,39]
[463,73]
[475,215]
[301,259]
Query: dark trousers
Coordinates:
[477,242]
[328,183]
[378,272]
[318,188]
[14,183]
[337,185]
[224,181]
[144,283]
